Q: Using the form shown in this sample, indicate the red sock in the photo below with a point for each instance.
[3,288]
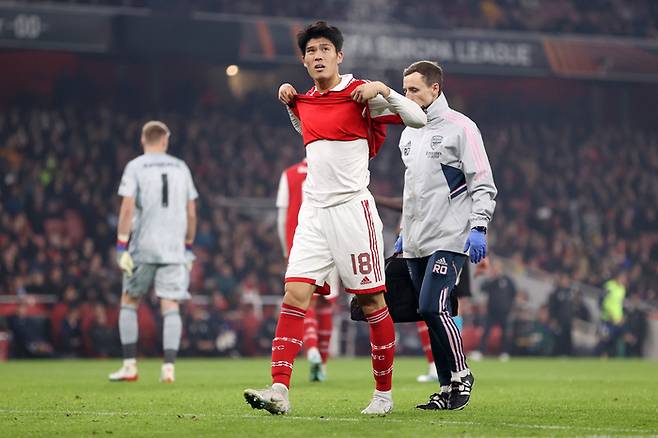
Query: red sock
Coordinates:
[287,343]
[382,341]
[325,315]
[424,334]
[310,328]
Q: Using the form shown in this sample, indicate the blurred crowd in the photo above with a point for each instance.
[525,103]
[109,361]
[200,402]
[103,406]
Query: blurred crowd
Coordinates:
[578,200]
[575,201]
[60,171]
[637,18]
[567,321]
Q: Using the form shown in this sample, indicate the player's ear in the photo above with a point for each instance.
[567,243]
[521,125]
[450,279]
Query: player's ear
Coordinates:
[339,56]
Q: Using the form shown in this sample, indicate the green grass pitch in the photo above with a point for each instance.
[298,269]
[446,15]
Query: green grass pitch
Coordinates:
[524,397]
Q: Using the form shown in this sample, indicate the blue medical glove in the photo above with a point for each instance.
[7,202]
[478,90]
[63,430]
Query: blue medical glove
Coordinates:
[477,242]
[398,245]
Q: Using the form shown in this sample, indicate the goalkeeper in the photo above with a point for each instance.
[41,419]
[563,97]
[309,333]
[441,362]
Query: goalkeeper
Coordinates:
[159,209]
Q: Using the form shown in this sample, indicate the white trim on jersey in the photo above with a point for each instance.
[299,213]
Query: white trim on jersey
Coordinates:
[282,194]
[282,203]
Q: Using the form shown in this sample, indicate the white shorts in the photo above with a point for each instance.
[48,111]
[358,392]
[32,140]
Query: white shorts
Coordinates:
[347,237]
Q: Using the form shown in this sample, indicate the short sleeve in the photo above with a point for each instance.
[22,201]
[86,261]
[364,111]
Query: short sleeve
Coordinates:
[128,185]
[191,189]
[282,195]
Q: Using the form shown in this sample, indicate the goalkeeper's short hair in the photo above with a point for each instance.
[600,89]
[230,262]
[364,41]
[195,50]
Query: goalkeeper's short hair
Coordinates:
[153,131]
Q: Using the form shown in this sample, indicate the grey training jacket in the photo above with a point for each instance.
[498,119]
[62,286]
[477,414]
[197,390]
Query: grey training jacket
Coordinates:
[448,184]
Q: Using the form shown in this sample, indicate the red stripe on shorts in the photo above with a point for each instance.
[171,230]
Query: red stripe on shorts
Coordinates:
[374,249]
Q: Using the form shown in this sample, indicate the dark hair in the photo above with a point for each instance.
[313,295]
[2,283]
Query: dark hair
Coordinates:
[320,30]
[431,71]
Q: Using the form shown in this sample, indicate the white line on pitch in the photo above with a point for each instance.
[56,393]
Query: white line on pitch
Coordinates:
[318,418]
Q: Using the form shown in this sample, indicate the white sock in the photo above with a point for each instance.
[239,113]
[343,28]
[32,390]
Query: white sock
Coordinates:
[280,387]
[313,353]
[388,395]
[458,375]
[130,362]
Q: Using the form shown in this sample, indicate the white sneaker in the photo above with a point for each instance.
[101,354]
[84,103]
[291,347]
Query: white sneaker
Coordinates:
[431,376]
[504,357]
[274,399]
[379,405]
[475,356]
[167,373]
[127,373]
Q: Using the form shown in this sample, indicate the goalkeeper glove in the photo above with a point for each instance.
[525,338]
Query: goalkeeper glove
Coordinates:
[189,256]
[477,243]
[398,245]
[124,260]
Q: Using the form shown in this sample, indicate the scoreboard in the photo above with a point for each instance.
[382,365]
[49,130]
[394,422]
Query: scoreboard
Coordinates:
[52,30]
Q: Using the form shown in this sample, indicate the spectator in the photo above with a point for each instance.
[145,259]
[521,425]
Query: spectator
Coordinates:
[200,333]
[561,314]
[612,316]
[636,327]
[267,328]
[501,292]
[30,334]
[103,334]
[539,339]
[70,344]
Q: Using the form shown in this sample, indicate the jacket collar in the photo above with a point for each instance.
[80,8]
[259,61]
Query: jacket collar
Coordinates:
[438,107]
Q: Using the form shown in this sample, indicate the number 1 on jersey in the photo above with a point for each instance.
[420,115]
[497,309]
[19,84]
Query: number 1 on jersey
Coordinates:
[165,190]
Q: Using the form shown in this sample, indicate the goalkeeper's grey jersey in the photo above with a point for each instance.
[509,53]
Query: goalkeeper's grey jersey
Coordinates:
[448,184]
[161,185]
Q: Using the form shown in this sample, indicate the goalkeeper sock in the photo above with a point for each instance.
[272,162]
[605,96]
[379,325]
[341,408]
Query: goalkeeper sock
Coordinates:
[382,342]
[128,330]
[310,329]
[286,343]
[172,327]
[424,334]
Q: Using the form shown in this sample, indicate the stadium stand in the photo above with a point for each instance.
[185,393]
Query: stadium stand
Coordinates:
[577,197]
[61,167]
[606,17]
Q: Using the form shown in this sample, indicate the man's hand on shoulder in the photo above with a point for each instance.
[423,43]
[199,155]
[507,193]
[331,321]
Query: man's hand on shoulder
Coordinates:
[365,92]
[287,93]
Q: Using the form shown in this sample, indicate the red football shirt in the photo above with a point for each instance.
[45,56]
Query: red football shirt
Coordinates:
[290,197]
[341,135]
